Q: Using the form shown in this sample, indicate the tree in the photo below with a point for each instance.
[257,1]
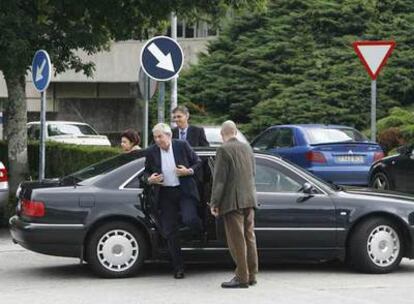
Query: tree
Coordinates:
[64,26]
[294,63]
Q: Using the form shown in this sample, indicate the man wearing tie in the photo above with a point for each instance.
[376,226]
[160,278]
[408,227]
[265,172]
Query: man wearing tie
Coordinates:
[195,136]
[169,169]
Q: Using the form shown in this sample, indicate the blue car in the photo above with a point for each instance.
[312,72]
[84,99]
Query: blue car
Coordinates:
[337,154]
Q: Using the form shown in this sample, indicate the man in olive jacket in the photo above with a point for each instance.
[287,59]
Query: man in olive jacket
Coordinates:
[234,198]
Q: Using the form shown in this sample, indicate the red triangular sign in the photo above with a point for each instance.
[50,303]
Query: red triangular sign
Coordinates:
[373,54]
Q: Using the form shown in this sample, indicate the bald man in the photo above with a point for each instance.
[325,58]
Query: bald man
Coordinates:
[234,198]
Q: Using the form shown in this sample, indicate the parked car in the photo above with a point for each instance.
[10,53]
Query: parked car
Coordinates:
[337,154]
[102,215]
[214,137]
[4,186]
[68,132]
[394,172]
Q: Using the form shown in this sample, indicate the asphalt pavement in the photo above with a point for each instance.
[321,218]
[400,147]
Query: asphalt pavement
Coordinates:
[28,277]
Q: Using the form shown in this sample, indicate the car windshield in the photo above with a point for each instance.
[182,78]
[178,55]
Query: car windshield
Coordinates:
[70,129]
[214,137]
[333,135]
[100,168]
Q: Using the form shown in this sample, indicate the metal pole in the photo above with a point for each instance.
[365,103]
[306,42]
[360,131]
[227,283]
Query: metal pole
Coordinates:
[161,103]
[174,80]
[147,93]
[373,110]
[42,136]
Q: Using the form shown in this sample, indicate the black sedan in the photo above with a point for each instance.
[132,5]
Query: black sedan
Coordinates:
[395,172]
[101,215]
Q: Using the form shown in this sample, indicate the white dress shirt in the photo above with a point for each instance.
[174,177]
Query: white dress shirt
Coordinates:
[168,167]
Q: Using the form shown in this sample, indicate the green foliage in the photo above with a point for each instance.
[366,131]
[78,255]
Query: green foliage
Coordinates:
[294,63]
[61,159]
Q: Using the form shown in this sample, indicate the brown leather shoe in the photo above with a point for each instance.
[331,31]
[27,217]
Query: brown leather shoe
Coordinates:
[252,282]
[234,283]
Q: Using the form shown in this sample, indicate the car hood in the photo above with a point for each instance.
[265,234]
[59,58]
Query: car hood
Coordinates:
[382,194]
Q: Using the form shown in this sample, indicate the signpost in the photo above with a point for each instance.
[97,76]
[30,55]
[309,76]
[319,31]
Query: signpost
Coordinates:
[373,55]
[41,75]
[161,59]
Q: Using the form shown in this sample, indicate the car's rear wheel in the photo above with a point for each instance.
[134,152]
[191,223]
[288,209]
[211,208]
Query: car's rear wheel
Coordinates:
[381,181]
[376,246]
[116,250]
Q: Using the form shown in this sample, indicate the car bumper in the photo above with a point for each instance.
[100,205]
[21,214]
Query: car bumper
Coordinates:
[343,175]
[52,239]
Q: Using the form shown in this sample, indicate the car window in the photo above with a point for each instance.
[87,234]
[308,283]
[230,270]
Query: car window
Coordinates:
[354,134]
[70,129]
[100,168]
[134,183]
[285,138]
[271,177]
[327,135]
[214,137]
[267,140]
[33,132]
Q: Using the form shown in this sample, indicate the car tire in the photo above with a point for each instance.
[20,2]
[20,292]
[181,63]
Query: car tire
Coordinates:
[116,250]
[381,181]
[376,246]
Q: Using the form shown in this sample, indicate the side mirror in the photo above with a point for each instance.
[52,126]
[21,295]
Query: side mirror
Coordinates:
[307,188]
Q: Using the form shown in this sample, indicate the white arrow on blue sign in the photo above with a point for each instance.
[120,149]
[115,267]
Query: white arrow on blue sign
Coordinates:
[41,70]
[161,58]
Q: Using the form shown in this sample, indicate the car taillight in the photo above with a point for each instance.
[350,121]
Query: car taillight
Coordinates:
[3,175]
[315,157]
[32,208]
[378,156]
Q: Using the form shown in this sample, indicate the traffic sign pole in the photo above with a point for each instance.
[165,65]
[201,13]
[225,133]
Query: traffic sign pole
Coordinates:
[41,75]
[174,86]
[373,110]
[42,146]
[147,97]
[161,103]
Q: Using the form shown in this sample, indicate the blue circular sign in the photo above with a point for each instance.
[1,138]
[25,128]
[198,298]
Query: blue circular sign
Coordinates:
[41,70]
[162,58]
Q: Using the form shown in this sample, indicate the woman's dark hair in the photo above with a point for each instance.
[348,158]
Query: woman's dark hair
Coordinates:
[132,136]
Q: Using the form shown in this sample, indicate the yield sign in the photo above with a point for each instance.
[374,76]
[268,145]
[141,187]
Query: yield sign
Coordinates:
[373,55]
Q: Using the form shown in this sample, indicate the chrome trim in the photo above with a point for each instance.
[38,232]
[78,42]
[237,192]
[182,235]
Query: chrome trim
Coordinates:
[203,249]
[122,187]
[57,225]
[296,229]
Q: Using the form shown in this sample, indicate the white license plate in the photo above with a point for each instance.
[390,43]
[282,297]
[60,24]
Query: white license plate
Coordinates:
[350,159]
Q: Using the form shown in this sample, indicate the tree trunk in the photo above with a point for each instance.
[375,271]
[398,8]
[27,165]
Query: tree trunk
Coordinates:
[16,129]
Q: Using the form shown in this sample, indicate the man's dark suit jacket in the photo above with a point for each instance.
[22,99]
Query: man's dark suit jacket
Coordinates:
[183,155]
[196,136]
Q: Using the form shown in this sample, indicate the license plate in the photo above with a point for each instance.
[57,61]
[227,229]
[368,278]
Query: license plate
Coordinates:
[350,159]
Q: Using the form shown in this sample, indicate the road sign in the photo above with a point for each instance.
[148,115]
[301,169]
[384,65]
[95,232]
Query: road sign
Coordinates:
[373,55]
[41,70]
[142,81]
[162,58]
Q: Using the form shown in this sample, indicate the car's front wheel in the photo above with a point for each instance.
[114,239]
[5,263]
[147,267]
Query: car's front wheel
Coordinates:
[376,246]
[381,181]
[116,250]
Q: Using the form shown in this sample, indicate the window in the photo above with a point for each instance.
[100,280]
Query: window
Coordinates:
[70,129]
[330,135]
[33,132]
[266,141]
[134,183]
[285,138]
[273,178]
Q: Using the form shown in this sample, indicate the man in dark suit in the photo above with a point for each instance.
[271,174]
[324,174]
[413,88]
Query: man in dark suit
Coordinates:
[169,168]
[195,136]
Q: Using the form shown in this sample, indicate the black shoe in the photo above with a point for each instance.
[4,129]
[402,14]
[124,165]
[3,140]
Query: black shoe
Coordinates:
[179,274]
[252,282]
[234,283]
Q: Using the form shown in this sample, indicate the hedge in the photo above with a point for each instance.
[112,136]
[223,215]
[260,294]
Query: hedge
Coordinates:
[61,159]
